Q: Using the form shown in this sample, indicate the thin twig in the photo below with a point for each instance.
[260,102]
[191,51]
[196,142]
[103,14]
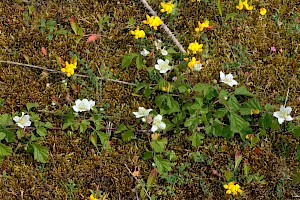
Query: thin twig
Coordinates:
[143,185]
[165,27]
[287,96]
[55,71]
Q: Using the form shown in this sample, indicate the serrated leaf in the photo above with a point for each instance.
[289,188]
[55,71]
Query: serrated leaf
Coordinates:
[41,131]
[233,103]
[121,128]
[158,146]
[40,153]
[179,118]
[237,123]
[104,138]
[127,136]
[3,135]
[220,113]
[147,155]
[29,106]
[5,119]
[243,91]
[162,165]
[5,150]
[83,126]
[196,139]
[139,61]
[251,107]
[127,59]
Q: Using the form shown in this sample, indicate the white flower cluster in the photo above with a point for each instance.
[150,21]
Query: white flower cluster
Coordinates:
[157,123]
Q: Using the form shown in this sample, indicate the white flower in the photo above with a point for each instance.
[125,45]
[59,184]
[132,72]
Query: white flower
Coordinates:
[163,66]
[164,52]
[145,52]
[158,44]
[23,120]
[197,67]
[83,105]
[283,114]
[158,124]
[228,79]
[142,113]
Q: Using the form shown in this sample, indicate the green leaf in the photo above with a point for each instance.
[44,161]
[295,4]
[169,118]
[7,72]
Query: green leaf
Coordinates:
[10,135]
[66,125]
[121,128]
[147,92]
[183,88]
[152,178]
[216,128]
[206,90]
[31,105]
[251,107]
[192,122]
[163,165]
[246,168]
[220,113]
[243,91]
[227,133]
[296,176]
[48,125]
[127,59]
[237,123]
[2,135]
[93,138]
[228,175]
[40,153]
[233,103]
[127,136]
[238,159]
[230,16]
[41,131]
[296,131]
[5,119]
[167,104]
[220,8]
[159,145]
[83,126]
[196,139]
[5,150]
[104,138]
[179,118]
[139,61]
[298,153]
[147,155]
[265,121]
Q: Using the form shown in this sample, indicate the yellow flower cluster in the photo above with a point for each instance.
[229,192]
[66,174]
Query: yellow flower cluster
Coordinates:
[193,62]
[195,0]
[263,11]
[205,24]
[242,4]
[153,21]
[138,33]
[195,47]
[167,7]
[233,188]
[69,69]
[92,197]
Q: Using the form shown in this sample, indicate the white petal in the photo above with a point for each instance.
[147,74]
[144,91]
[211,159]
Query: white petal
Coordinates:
[28,123]
[229,76]
[158,118]
[234,82]
[92,103]
[16,118]
[164,52]
[160,61]
[157,67]
[167,61]
[154,128]
[222,76]
[20,125]
[277,114]
[289,118]
[162,125]
[147,112]
[280,120]
[288,109]
[282,108]
[75,108]
[77,102]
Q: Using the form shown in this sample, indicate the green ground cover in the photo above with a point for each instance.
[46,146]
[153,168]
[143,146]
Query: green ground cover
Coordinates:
[215,134]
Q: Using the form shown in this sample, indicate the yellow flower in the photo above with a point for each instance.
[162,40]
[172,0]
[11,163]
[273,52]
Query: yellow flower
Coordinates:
[195,0]
[247,5]
[167,7]
[153,21]
[242,4]
[166,88]
[93,198]
[69,69]
[195,47]
[193,62]
[205,24]
[138,33]
[232,188]
[263,11]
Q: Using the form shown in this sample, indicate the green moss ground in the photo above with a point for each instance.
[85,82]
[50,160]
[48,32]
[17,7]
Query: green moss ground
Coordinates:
[245,41]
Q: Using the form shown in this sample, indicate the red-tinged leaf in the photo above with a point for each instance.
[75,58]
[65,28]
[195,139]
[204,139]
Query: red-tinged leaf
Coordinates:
[215,172]
[258,150]
[62,62]
[44,51]
[92,38]
[210,27]
[26,57]
[73,24]
[152,178]
[54,99]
